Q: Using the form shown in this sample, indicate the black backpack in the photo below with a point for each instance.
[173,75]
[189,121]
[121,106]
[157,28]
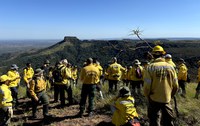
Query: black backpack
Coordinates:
[57,76]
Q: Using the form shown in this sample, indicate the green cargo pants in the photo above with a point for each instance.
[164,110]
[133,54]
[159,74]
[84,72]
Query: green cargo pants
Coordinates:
[88,90]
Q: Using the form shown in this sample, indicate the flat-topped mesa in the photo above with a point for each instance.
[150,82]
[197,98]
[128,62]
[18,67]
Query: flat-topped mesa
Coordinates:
[70,39]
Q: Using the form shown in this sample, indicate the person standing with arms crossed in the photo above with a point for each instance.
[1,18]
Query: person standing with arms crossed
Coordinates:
[160,85]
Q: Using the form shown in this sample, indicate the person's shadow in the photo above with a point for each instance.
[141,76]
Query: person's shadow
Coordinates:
[49,120]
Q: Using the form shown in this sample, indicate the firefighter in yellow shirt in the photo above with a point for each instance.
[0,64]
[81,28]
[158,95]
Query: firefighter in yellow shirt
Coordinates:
[145,64]
[198,86]
[129,75]
[182,76]
[100,81]
[6,99]
[124,76]
[28,73]
[62,80]
[74,71]
[160,85]
[97,64]
[15,81]
[46,67]
[136,77]
[65,84]
[114,74]
[90,77]
[168,59]
[38,93]
[123,109]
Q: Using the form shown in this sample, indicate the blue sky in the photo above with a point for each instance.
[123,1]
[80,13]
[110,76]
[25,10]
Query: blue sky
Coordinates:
[97,19]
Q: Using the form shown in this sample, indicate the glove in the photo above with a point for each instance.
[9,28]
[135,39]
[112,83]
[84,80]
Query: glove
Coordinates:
[10,112]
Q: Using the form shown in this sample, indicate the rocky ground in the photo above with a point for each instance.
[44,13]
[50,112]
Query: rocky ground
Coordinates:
[62,116]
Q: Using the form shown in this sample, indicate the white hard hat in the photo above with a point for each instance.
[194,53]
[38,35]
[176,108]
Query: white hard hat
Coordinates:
[168,56]
[64,61]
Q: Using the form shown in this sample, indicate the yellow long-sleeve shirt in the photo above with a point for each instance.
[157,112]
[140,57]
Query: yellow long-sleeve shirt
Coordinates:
[28,74]
[15,78]
[124,75]
[100,70]
[99,67]
[74,73]
[90,74]
[129,74]
[125,110]
[182,72]
[132,73]
[160,81]
[5,96]
[37,84]
[65,73]
[170,62]
[115,71]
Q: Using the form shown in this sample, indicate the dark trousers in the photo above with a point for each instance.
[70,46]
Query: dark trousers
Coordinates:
[197,91]
[198,87]
[125,82]
[56,91]
[4,116]
[155,110]
[112,83]
[136,86]
[88,90]
[14,92]
[68,89]
[43,97]
[182,85]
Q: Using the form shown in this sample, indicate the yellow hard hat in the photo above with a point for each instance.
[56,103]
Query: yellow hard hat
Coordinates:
[158,49]
[4,78]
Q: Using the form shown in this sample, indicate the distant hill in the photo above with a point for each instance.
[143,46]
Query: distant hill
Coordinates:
[76,51]
[20,46]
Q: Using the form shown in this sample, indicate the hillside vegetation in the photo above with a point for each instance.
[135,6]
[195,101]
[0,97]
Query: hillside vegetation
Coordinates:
[76,51]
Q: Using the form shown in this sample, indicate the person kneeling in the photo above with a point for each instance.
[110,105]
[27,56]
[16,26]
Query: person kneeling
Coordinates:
[124,112]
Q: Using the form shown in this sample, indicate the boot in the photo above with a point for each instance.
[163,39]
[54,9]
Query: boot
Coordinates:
[46,111]
[34,109]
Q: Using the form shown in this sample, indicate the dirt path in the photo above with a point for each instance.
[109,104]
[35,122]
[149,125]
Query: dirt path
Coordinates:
[62,116]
